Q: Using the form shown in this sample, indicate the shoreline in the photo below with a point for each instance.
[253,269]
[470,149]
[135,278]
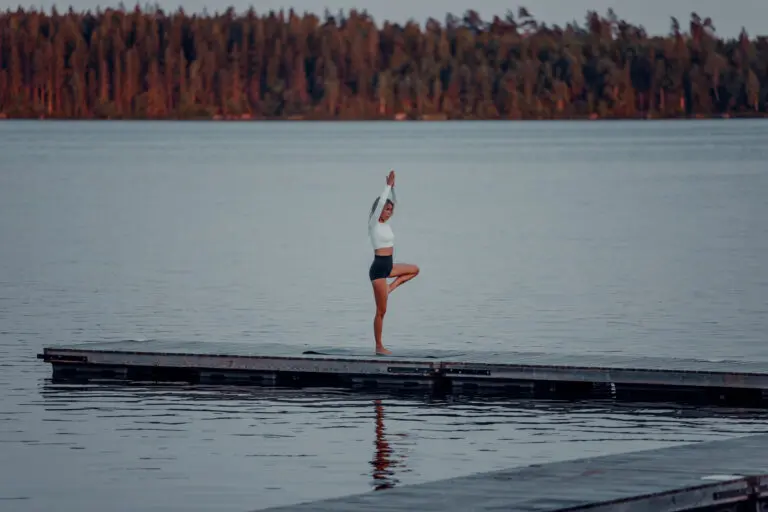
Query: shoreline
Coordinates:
[422,119]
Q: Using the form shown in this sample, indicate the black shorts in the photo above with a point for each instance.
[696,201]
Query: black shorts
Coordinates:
[381,267]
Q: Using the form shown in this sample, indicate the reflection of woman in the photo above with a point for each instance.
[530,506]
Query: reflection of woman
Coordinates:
[381,460]
[383,241]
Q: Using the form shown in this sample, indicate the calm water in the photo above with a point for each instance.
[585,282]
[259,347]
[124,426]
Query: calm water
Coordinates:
[643,238]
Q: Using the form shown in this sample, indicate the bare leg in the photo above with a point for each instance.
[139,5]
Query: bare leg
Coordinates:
[402,272]
[380,294]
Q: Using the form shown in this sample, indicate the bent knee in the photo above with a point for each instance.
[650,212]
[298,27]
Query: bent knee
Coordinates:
[381,312]
[416,270]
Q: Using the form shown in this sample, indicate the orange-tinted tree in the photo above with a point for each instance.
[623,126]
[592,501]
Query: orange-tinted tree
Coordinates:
[149,64]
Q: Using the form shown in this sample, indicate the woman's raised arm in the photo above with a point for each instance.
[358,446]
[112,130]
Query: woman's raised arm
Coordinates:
[383,197]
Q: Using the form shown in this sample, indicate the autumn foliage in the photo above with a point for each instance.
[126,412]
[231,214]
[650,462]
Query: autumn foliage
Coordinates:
[147,63]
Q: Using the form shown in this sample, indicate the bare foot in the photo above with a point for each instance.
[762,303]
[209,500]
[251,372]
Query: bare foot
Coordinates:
[381,351]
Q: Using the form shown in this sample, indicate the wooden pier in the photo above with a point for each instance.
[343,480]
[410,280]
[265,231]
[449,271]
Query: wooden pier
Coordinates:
[718,476]
[507,373]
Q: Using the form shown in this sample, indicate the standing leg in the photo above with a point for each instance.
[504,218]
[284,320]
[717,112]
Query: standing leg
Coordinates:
[402,272]
[380,294]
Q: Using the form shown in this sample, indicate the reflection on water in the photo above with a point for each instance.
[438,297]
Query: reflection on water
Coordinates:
[385,461]
[129,447]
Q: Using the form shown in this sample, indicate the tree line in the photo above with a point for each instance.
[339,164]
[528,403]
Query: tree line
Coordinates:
[149,64]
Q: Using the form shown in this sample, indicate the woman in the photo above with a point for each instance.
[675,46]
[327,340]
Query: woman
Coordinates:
[382,267]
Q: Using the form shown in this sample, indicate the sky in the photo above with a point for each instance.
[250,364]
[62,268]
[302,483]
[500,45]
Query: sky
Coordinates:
[729,16]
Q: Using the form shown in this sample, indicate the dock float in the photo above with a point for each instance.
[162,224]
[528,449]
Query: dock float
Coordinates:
[717,476]
[508,373]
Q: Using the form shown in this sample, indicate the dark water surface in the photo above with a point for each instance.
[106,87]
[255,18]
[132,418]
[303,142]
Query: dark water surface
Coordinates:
[644,238]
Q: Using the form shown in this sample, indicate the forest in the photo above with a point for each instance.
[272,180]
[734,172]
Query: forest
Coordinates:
[120,63]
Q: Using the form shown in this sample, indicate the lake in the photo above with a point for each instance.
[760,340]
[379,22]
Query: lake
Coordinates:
[633,238]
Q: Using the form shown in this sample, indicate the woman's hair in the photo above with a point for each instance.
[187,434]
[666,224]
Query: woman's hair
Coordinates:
[376,202]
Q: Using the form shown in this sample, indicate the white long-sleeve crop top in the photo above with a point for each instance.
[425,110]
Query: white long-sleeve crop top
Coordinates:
[380,233]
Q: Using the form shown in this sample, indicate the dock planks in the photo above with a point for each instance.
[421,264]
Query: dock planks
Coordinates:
[513,373]
[729,475]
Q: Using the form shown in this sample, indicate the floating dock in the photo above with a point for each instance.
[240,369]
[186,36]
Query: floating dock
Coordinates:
[507,373]
[718,476]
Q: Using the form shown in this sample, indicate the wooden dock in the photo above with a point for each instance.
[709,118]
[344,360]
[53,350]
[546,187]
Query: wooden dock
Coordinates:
[718,476]
[507,373]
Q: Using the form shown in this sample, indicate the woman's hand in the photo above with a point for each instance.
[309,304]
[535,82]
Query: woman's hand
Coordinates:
[391,179]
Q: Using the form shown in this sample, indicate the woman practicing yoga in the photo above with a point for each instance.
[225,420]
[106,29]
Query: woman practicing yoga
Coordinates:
[383,267]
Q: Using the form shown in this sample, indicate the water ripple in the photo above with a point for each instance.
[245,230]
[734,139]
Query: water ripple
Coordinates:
[572,255]
[368,441]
